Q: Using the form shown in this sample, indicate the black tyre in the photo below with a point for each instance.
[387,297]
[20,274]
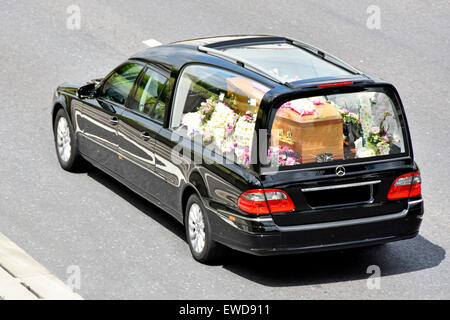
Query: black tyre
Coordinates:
[198,232]
[66,144]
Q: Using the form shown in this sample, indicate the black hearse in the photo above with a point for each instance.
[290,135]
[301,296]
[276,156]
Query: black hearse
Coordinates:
[258,143]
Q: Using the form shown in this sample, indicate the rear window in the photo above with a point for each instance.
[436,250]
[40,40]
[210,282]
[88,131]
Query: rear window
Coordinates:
[345,126]
[218,108]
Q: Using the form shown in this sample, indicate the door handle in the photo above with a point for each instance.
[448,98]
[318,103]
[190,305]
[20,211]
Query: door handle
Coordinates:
[114,121]
[145,135]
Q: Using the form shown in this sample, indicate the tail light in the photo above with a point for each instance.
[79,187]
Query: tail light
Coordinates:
[405,186]
[265,201]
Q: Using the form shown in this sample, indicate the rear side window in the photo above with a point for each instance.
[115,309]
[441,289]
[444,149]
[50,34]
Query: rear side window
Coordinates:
[220,108]
[151,94]
[336,127]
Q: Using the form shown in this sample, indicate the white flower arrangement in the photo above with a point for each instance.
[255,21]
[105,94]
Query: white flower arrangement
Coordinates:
[193,122]
[221,125]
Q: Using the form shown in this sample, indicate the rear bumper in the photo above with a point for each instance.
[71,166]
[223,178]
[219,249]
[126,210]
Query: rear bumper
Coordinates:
[264,237]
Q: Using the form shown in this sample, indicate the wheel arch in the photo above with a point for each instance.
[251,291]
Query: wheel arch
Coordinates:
[196,185]
[60,103]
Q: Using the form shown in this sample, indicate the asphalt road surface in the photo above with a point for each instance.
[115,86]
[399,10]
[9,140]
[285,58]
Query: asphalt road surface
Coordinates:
[125,247]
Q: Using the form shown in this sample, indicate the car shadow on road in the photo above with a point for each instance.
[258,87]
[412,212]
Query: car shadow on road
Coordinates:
[301,269]
[337,266]
[149,209]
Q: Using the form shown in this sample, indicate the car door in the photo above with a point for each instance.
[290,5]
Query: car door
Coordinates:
[100,115]
[140,121]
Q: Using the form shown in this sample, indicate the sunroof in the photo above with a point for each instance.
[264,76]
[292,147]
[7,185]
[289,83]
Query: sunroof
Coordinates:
[287,62]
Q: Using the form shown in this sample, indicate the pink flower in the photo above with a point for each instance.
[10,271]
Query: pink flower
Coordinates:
[386,138]
[290,161]
[317,101]
[248,116]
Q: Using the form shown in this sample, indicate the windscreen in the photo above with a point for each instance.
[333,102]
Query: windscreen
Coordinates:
[345,126]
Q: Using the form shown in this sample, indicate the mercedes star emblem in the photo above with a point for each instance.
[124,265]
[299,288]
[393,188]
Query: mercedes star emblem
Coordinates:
[340,171]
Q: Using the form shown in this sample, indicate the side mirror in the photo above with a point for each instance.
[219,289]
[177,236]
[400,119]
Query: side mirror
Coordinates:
[87,91]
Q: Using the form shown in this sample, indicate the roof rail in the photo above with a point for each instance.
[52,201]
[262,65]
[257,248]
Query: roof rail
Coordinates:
[243,63]
[324,55]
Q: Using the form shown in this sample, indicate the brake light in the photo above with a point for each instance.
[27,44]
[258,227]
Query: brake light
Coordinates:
[266,201]
[336,84]
[405,186]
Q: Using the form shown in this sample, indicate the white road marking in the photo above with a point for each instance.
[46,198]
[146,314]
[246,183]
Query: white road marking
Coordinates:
[22,277]
[152,43]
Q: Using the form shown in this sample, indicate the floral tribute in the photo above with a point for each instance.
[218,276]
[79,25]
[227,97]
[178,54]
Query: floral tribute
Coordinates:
[379,138]
[350,117]
[378,141]
[303,107]
[230,132]
[283,156]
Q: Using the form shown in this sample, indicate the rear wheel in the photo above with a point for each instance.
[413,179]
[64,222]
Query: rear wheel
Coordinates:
[198,232]
[66,146]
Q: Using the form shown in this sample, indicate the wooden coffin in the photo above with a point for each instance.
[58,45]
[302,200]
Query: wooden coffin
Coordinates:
[245,97]
[310,135]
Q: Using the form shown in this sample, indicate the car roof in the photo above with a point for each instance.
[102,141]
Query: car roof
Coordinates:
[226,51]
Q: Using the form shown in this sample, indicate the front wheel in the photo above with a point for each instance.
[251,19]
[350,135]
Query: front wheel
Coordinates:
[66,146]
[198,232]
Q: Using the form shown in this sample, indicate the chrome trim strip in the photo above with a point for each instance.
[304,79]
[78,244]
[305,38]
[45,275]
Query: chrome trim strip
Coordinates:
[244,218]
[339,186]
[412,203]
[344,223]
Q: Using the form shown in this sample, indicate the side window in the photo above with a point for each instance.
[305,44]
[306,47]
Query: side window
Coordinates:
[220,108]
[151,94]
[117,87]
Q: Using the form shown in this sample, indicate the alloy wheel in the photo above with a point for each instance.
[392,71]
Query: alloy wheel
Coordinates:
[196,228]
[63,140]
